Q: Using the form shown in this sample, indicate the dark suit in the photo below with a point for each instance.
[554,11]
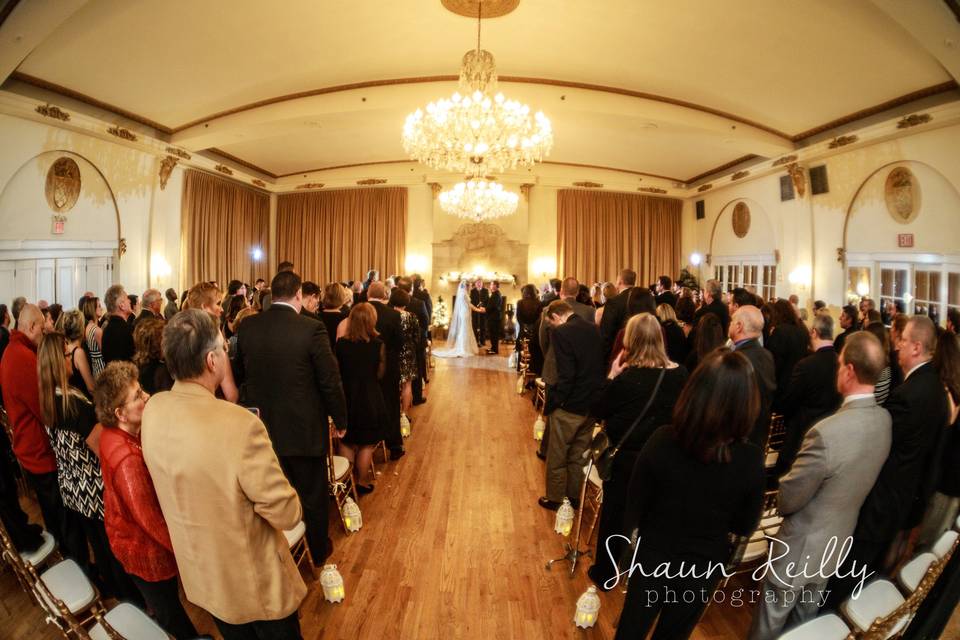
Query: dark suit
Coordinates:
[146,313]
[788,344]
[289,373]
[311,315]
[841,339]
[479,298]
[667,297]
[494,319]
[388,326]
[764,370]
[613,318]
[717,308]
[117,340]
[424,295]
[810,396]
[419,309]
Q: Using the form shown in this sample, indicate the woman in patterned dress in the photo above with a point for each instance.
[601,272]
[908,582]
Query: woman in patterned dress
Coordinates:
[410,329]
[71,423]
[93,333]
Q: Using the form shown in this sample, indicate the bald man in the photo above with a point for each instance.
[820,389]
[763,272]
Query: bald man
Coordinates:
[746,326]
[21,397]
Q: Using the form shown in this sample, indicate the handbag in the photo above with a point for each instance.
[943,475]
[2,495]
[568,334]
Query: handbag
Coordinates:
[600,449]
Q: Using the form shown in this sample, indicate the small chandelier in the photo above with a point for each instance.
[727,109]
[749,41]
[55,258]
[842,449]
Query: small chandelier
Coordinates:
[479,131]
[479,199]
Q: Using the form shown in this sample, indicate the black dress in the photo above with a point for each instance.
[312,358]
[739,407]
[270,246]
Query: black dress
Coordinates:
[331,320]
[76,378]
[154,377]
[361,366]
[675,341]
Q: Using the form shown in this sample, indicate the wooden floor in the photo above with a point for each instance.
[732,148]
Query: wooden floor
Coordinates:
[453,543]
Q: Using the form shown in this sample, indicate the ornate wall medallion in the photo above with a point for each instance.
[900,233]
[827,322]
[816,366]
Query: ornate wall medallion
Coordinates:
[371,181]
[63,185]
[704,187]
[51,111]
[120,132]
[588,185]
[913,120]
[224,169]
[651,190]
[902,194]
[842,141]
[799,178]
[166,168]
[259,183]
[310,185]
[741,219]
[180,153]
[739,175]
[784,160]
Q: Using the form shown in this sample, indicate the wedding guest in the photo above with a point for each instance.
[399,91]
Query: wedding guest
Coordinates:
[418,308]
[234,288]
[788,342]
[569,289]
[235,305]
[953,320]
[580,363]
[686,310]
[363,360]
[608,291]
[55,311]
[674,337]
[206,297]
[639,300]
[713,303]
[707,336]
[311,301]
[420,292]
[551,291]
[882,388]
[5,321]
[71,325]
[15,307]
[71,423]
[135,526]
[744,332]
[390,331]
[153,375]
[171,307]
[151,302]
[696,481]
[642,378]
[333,315]
[614,315]
[896,330]
[410,332]
[664,293]
[848,322]
[596,295]
[899,497]
[812,392]
[247,580]
[584,297]
[493,316]
[528,319]
[117,336]
[821,496]
[478,299]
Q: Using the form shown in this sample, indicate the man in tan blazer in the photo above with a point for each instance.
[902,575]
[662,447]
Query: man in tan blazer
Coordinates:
[222,492]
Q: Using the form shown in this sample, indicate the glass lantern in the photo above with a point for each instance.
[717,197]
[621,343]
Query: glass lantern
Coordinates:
[352,518]
[538,428]
[565,515]
[521,385]
[404,425]
[332,583]
[588,605]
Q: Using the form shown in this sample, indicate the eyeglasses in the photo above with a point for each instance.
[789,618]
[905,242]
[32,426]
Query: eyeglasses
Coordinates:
[138,396]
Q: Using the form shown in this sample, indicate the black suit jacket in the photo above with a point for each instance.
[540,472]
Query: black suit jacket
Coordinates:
[388,326]
[667,297]
[613,318]
[419,309]
[788,344]
[810,396]
[580,366]
[494,315]
[311,315]
[117,340]
[289,373]
[906,482]
[424,295]
[717,308]
[763,368]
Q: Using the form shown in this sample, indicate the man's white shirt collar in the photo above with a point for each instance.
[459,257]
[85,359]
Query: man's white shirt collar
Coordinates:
[856,396]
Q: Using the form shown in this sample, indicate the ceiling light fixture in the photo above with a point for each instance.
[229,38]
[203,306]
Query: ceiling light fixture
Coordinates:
[477,130]
[479,199]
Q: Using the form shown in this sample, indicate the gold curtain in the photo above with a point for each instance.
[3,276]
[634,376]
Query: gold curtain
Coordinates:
[599,233]
[339,235]
[223,223]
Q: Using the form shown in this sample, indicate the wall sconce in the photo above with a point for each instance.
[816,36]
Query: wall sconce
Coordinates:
[416,263]
[159,267]
[696,259]
[863,289]
[801,276]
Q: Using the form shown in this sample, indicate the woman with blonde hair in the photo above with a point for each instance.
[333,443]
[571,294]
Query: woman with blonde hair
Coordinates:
[362,359]
[335,296]
[641,375]
[673,336]
[72,325]
[206,297]
[608,291]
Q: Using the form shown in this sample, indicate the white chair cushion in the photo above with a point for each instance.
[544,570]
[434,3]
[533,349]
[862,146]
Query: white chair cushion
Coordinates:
[826,627]
[771,459]
[912,573]
[944,544]
[877,600]
[594,476]
[340,467]
[67,582]
[130,622]
[37,557]
[294,535]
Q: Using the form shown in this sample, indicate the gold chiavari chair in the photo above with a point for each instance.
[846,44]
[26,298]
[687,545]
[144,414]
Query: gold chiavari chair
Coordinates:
[775,440]
[340,471]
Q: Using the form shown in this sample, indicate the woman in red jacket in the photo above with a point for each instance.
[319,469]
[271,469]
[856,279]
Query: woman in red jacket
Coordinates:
[135,526]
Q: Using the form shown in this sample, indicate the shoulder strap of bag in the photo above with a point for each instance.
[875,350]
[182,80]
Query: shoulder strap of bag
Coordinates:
[643,413]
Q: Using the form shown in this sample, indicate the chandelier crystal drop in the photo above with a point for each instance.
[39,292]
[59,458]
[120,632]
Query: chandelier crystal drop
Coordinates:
[477,130]
[479,199]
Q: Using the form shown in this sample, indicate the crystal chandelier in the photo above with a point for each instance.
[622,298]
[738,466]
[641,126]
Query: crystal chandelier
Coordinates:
[477,131]
[479,199]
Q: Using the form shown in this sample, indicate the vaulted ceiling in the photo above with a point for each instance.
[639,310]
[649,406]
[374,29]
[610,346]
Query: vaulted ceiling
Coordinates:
[672,89]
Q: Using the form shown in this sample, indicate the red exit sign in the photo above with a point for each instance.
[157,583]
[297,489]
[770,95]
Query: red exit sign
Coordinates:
[904,240]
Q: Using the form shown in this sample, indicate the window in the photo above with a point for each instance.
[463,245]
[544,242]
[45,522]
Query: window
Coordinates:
[733,277]
[893,287]
[915,286]
[953,290]
[926,293]
[768,286]
[758,278]
[858,283]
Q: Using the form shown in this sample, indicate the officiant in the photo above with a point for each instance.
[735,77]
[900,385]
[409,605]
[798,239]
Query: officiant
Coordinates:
[479,298]
[494,316]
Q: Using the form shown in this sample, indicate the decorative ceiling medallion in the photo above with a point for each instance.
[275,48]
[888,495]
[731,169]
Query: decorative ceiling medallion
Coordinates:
[310,185]
[842,141]
[799,178]
[120,132]
[741,219]
[704,187]
[491,8]
[51,111]
[913,120]
[224,169]
[166,168]
[259,183]
[652,190]
[63,185]
[902,194]
[588,185]
[739,175]
[180,153]
[784,160]
[372,181]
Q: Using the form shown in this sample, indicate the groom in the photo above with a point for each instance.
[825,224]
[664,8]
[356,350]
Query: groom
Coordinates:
[479,298]
[494,317]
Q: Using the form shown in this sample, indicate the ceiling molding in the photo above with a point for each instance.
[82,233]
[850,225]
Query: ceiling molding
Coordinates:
[722,167]
[242,162]
[597,166]
[340,166]
[7,9]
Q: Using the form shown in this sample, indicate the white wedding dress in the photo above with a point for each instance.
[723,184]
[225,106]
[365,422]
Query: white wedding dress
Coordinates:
[461,343]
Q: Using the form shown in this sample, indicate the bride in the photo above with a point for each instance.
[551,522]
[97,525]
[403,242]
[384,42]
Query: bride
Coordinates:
[461,341]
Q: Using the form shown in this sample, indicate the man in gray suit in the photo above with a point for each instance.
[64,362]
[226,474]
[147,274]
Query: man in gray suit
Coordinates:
[821,496]
[568,293]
